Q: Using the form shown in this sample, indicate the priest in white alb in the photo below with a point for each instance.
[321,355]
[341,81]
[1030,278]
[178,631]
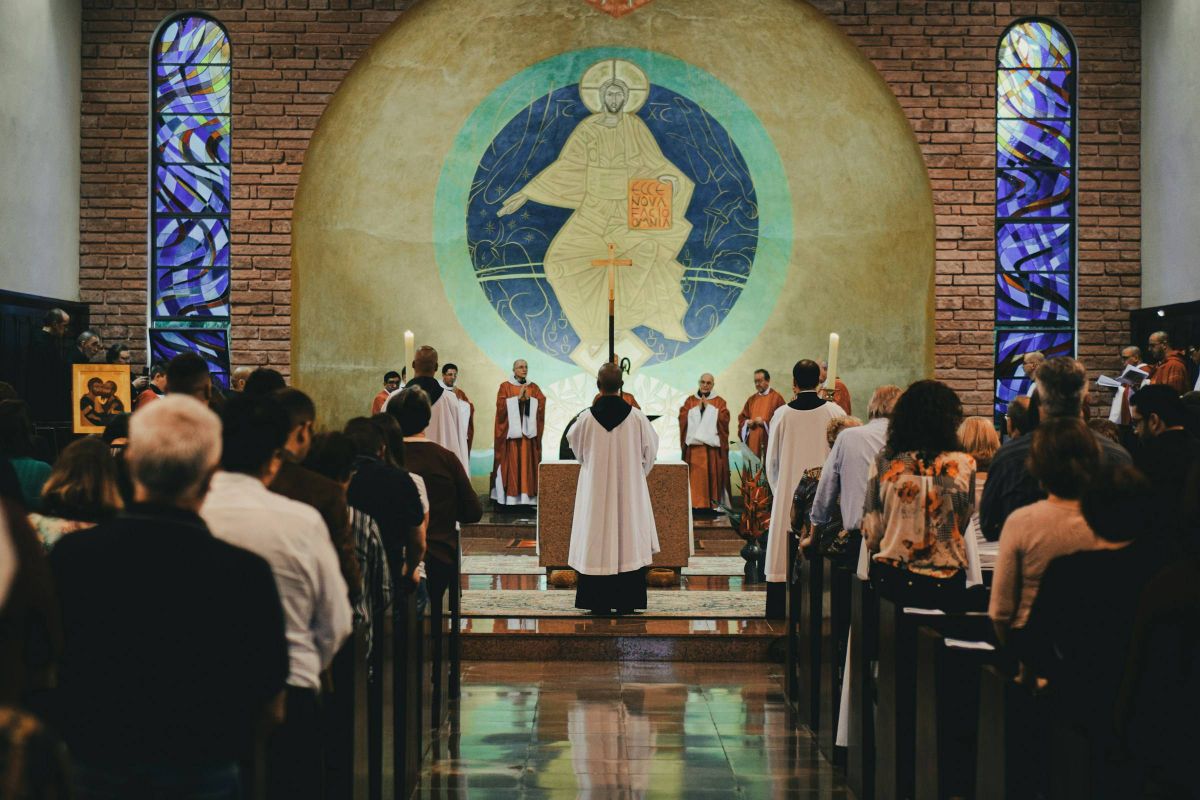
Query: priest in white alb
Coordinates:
[613,536]
[447,421]
[797,443]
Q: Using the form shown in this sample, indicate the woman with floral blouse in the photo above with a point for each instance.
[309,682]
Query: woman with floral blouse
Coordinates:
[920,497]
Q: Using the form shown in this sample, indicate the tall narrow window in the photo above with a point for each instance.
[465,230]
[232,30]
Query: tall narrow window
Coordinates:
[189,191]
[1035,201]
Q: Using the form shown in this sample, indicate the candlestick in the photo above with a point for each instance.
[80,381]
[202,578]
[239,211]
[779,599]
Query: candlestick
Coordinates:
[410,350]
[831,373]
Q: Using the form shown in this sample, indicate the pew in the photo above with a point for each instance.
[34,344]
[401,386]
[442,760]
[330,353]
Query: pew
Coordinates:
[804,629]
[835,628]
[895,722]
[792,670]
[1006,754]
[863,646]
[947,708]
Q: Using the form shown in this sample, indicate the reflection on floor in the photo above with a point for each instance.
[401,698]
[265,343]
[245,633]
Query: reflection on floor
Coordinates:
[625,730]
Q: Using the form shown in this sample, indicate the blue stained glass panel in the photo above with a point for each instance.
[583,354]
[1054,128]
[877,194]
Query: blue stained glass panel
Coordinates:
[1034,93]
[1011,347]
[212,344]
[1034,246]
[195,89]
[191,189]
[1033,143]
[1033,297]
[193,39]
[191,292]
[193,138]
[193,243]
[1035,45]
[1033,193]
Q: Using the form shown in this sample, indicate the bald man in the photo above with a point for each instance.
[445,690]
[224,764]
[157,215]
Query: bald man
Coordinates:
[447,422]
[704,437]
[520,422]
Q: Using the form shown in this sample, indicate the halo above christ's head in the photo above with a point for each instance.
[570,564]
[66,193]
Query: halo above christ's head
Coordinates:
[614,70]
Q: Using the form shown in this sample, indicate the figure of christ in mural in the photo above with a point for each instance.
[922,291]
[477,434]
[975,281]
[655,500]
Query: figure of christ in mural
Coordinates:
[594,176]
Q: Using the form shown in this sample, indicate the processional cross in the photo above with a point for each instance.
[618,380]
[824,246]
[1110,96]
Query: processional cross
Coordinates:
[612,262]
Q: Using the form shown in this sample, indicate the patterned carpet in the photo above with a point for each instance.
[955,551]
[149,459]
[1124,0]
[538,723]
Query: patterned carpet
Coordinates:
[560,603]
[528,565]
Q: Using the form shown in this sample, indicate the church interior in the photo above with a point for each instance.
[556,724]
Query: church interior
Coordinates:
[846,431]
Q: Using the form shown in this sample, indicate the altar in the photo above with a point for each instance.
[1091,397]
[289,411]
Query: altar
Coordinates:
[669,495]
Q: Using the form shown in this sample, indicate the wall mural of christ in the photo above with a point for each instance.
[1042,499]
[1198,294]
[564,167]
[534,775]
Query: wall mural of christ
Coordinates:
[613,160]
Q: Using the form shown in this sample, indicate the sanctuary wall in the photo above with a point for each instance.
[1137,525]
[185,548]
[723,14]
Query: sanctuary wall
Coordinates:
[934,59]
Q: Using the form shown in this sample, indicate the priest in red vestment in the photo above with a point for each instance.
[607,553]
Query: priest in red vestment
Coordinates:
[841,395]
[704,436]
[754,423]
[1170,366]
[520,422]
[391,383]
[449,381]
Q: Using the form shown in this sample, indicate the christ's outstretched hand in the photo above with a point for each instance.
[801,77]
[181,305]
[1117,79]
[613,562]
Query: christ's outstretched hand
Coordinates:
[512,204]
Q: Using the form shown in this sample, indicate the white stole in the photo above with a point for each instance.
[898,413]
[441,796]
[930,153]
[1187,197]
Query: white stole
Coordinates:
[702,428]
[521,427]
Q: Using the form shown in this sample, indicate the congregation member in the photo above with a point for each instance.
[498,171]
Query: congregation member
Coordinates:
[118,353]
[48,374]
[613,535]
[296,481]
[1061,392]
[451,498]
[520,424]
[754,421]
[1167,454]
[87,347]
[18,448]
[449,380]
[263,380]
[840,394]
[1031,362]
[187,374]
[842,488]
[919,500]
[1063,456]
[81,492]
[1079,629]
[704,440]
[797,444]
[979,440]
[1020,418]
[391,383]
[1170,365]
[166,672]
[238,378]
[1106,428]
[1118,412]
[450,418]
[156,387]
[291,537]
[389,495]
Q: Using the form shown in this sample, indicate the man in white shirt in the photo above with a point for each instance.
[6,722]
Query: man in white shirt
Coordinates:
[613,535]
[291,537]
[798,443]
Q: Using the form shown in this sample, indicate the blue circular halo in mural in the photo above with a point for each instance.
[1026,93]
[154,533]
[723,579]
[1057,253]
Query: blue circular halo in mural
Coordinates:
[702,270]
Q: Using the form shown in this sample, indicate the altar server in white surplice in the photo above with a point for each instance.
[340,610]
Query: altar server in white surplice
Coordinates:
[613,537]
[447,420]
[797,443]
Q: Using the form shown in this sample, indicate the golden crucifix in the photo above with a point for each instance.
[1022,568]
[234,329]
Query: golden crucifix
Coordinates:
[612,262]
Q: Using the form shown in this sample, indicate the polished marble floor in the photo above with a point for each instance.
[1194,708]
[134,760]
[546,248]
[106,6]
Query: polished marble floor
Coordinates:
[625,730]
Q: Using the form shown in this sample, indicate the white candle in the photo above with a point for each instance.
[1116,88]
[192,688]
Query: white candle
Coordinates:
[831,374]
[410,350]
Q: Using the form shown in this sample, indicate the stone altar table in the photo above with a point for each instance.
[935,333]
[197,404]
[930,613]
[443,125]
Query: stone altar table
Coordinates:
[669,496]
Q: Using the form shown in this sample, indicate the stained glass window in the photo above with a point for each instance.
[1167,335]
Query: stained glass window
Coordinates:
[190,190]
[1035,200]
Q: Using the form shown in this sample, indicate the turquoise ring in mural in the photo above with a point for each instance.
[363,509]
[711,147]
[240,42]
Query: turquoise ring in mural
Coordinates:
[621,147]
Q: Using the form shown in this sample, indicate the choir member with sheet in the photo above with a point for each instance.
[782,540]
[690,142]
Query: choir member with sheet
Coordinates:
[754,423]
[797,443]
[613,536]
[520,422]
[447,423]
[704,436]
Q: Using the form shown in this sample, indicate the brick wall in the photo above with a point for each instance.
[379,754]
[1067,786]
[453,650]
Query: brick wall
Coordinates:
[937,56]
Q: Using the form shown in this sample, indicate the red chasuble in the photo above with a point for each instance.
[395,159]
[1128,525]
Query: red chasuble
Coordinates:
[518,442]
[708,464]
[758,406]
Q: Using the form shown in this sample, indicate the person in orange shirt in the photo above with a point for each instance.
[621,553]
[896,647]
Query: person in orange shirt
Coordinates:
[391,383]
[1171,367]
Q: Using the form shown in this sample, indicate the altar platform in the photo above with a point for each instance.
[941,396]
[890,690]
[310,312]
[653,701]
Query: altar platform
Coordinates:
[510,612]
